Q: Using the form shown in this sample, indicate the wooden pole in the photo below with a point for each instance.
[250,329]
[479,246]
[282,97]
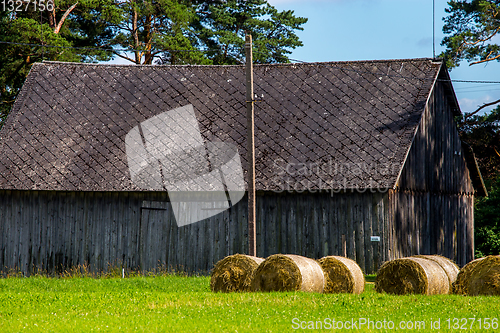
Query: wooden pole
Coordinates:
[252,244]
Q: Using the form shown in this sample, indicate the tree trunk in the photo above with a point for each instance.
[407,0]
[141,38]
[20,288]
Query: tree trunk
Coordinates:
[63,18]
[148,58]
[52,18]
[135,34]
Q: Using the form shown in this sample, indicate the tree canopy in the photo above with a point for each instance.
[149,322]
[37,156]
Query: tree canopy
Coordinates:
[472,29]
[146,31]
[203,32]
[222,26]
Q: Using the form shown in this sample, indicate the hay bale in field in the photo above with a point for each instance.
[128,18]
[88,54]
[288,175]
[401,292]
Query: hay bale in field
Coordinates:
[234,273]
[485,277]
[451,269]
[412,276]
[461,285]
[288,272]
[342,275]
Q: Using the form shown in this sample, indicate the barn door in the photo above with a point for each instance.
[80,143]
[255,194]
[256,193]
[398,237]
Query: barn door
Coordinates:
[155,228]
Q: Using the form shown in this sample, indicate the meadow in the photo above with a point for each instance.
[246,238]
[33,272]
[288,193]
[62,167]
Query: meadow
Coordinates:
[176,303]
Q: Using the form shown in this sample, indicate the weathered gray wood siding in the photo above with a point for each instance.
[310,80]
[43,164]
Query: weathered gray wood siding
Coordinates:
[433,204]
[54,230]
[315,224]
[427,223]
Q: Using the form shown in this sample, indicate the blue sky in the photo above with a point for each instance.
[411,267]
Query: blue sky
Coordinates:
[384,29]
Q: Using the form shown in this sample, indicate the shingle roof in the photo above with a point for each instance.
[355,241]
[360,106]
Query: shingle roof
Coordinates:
[318,125]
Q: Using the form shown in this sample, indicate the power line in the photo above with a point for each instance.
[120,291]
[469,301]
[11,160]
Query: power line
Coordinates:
[475,81]
[464,90]
[485,87]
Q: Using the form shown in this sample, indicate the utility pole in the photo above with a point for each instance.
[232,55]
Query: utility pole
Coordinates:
[252,244]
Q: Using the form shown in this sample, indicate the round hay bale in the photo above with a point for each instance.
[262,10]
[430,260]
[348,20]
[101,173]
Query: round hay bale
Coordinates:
[461,285]
[485,277]
[234,273]
[342,275]
[451,269]
[288,272]
[412,276]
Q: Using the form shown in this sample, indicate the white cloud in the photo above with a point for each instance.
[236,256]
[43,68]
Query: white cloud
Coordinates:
[470,105]
[467,104]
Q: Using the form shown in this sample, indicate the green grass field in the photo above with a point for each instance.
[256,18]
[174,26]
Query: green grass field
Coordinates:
[185,304]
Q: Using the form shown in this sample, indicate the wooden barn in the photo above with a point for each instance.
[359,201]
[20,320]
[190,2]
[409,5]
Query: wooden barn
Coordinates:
[360,158]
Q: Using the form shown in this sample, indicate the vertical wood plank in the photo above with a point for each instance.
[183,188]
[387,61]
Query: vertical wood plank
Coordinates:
[3,224]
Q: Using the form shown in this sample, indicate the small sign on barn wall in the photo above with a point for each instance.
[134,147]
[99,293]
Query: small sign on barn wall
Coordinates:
[375,238]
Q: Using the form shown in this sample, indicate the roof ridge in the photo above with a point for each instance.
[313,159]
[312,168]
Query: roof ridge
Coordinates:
[236,66]
[45,62]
